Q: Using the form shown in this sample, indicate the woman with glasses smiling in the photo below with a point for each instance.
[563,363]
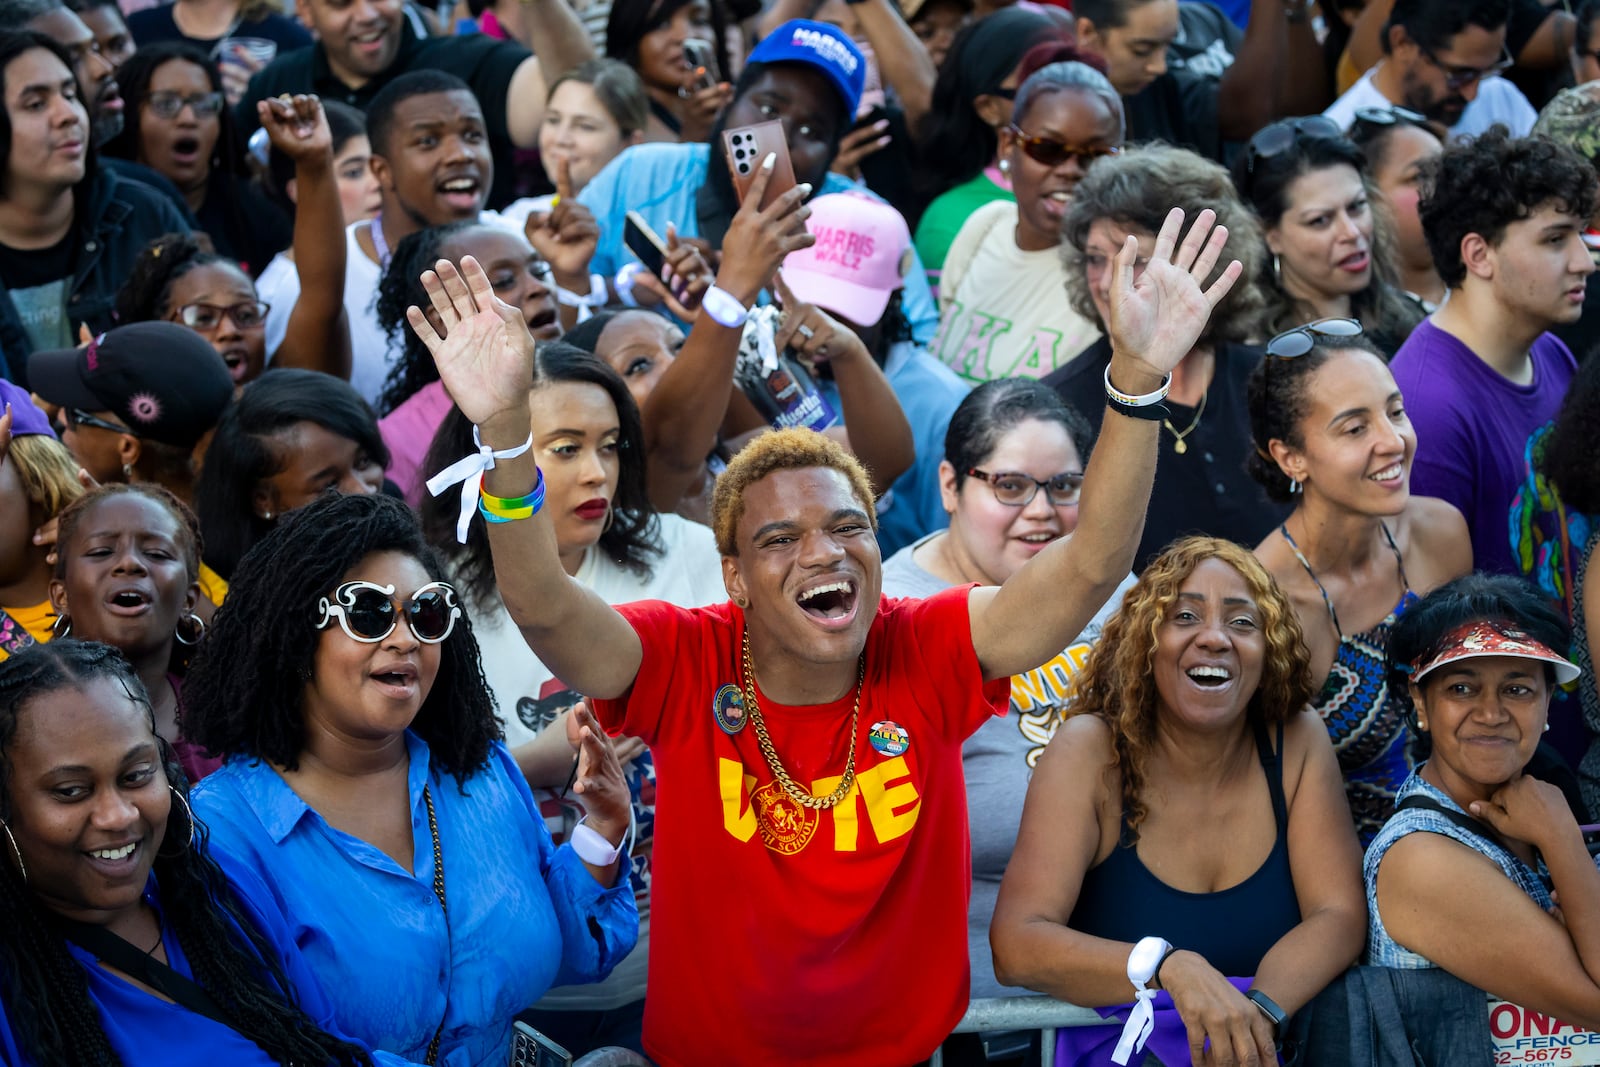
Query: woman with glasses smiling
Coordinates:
[1332,438]
[1000,295]
[178,124]
[367,786]
[1013,466]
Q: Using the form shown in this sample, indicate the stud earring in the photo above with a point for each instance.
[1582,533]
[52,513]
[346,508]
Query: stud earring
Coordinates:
[1005,166]
[22,867]
[127,471]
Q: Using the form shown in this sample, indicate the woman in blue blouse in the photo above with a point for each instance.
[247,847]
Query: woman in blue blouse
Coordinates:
[1475,844]
[367,786]
[102,863]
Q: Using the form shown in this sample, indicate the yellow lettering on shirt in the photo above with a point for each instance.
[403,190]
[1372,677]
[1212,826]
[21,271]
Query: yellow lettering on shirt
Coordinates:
[738,817]
[892,809]
[846,822]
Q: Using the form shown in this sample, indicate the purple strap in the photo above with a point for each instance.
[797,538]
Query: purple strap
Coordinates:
[1091,1046]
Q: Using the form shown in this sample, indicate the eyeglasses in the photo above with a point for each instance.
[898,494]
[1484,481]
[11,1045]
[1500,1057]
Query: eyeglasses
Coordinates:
[1053,153]
[1017,490]
[1457,78]
[166,104]
[1291,344]
[1393,115]
[1278,138]
[368,612]
[78,417]
[248,315]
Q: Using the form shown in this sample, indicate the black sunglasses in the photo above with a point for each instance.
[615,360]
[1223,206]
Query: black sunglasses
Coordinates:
[1393,115]
[1291,344]
[1458,78]
[78,417]
[368,612]
[1280,137]
[1053,153]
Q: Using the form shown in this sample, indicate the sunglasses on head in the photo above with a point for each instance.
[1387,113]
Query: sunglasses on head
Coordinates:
[368,612]
[1280,137]
[1393,115]
[1291,344]
[1053,153]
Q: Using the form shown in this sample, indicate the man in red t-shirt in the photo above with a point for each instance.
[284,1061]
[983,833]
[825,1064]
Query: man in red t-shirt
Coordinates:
[811,858]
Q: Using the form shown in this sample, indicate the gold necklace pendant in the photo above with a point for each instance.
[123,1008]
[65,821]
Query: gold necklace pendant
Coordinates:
[803,797]
[1179,445]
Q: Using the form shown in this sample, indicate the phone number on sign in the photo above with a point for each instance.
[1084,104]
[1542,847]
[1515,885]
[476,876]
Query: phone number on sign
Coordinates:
[1534,1055]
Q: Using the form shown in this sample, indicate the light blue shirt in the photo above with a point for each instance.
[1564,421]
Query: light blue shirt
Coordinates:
[523,914]
[929,393]
[660,181]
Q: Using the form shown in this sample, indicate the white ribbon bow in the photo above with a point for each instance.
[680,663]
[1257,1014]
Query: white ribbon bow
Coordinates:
[1137,1030]
[468,470]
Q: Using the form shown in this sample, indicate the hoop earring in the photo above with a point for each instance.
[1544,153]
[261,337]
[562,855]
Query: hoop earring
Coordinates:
[189,814]
[127,471]
[22,867]
[56,632]
[196,623]
[1277,271]
[1295,488]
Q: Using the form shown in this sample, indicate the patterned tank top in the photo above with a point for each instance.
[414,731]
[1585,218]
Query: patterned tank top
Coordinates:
[1376,747]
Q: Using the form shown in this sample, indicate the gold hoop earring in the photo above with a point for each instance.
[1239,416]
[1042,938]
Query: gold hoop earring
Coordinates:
[56,632]
[21,867]
[189,814]
[196,624]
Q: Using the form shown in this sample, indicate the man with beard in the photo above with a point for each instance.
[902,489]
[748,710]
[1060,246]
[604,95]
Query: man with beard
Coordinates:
[1441,60]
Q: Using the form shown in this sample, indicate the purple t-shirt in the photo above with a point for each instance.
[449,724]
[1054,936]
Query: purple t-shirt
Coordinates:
[1475,432]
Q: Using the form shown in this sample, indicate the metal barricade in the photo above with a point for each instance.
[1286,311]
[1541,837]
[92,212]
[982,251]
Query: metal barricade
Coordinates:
[1023,1013]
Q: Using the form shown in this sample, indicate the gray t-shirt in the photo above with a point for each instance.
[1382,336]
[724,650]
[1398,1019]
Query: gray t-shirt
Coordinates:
[999,759]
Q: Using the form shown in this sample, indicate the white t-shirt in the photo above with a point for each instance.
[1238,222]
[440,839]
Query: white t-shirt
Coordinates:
[687,573]
[371,355]
[1004,312]
[1497,101]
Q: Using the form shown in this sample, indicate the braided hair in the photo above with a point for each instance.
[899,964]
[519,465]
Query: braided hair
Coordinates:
[399,288]
[46,995]
[245,693]
[147,294]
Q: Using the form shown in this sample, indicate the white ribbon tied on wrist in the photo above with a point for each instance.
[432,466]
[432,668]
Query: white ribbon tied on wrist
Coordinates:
[469,471]
[1137,1030]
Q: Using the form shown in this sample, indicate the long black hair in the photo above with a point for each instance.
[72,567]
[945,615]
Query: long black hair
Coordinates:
[633,539]
[245,693]
[399,288]
[241,456]
[46,996]
[630,20]
[133,79]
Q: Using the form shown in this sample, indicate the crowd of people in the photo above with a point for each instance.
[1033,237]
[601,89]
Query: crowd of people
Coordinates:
[716,532]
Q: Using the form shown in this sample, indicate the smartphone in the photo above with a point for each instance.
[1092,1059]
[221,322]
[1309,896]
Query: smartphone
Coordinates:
[698,56]
[644,242]
[530,1048]
[747,146]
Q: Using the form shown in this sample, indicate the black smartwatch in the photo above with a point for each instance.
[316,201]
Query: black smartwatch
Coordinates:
[1269,1008]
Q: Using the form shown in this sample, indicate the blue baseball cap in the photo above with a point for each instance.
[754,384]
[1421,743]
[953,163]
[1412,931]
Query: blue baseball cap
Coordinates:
[822,46]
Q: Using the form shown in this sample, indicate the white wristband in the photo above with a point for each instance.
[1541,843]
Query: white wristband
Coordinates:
[591,845]
[623,283]
[469,471]
[1137,401]
[724,308]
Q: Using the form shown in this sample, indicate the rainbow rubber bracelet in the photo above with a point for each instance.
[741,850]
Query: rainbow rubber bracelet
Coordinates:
[489,516]
[510,508]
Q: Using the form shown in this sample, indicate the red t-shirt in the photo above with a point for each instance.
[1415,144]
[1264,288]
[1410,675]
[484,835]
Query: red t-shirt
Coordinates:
[781,934]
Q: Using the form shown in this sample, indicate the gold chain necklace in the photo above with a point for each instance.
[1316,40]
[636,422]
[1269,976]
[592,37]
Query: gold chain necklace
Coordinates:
[801,796]
[1180,446]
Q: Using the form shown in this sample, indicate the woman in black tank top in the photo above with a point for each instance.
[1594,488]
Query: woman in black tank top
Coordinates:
[1188,798]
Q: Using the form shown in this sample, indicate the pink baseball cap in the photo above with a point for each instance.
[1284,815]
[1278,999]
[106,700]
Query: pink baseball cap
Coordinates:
[861,257]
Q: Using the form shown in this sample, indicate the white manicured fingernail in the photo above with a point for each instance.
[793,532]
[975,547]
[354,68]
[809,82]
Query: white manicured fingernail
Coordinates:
[770,162]
[805,188]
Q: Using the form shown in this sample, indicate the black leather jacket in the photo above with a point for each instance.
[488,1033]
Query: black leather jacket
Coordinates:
[121,217]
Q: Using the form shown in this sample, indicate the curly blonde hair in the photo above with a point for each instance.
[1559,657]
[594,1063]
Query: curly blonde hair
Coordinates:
[781,450]
[1118,681]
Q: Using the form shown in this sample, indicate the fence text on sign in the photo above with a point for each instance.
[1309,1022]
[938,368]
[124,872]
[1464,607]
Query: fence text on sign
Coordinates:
[1525,1036]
